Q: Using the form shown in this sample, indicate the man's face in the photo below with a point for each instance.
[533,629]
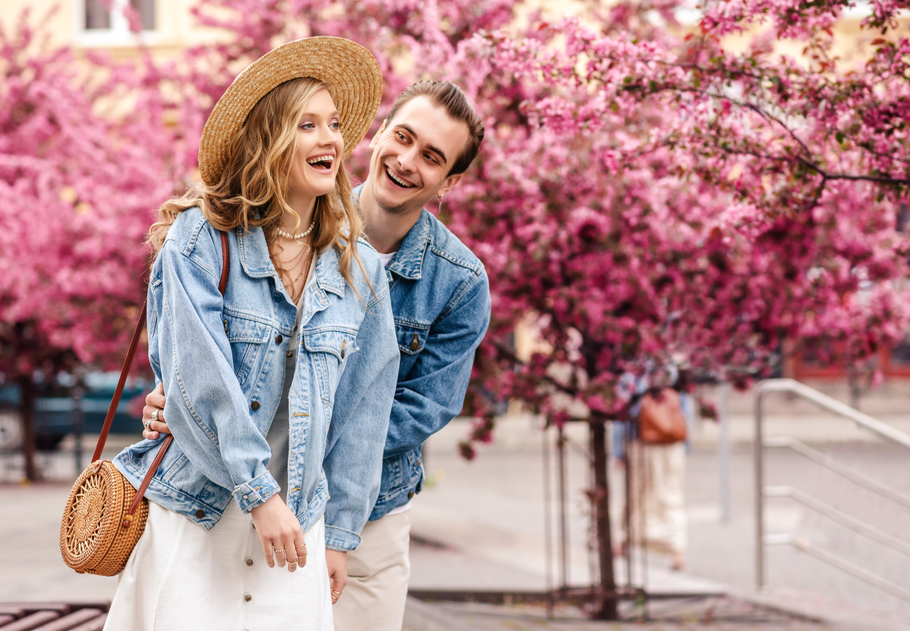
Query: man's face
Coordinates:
[412,156]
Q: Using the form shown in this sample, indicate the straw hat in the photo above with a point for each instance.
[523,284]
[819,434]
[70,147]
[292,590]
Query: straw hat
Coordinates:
[348,68]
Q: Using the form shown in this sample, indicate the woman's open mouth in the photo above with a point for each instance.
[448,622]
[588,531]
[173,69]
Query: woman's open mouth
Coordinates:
[322,163]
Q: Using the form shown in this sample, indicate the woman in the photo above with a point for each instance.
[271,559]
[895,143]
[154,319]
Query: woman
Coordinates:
[280,387]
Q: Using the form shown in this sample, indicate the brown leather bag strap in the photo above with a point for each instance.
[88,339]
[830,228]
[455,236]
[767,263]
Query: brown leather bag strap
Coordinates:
[115,402]
[225,264]
[109,419]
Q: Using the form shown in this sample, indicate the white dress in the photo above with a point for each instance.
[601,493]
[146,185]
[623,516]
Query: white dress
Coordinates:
[182,577]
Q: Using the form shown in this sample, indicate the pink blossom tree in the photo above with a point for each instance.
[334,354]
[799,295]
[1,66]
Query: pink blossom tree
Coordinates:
[77,191]
[647,198]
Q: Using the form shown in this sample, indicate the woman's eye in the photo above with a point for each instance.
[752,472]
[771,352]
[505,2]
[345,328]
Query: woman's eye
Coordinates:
[306,125]
[400,136]
[336,125]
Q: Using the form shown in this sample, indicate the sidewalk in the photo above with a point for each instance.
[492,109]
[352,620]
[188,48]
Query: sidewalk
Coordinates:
[482,526]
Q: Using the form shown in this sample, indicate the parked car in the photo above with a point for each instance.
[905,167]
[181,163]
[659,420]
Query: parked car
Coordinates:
[55,409]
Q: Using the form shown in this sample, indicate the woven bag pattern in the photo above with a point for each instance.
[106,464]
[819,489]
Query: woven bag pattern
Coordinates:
[95,537]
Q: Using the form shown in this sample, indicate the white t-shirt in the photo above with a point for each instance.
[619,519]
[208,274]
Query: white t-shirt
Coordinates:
[387,258]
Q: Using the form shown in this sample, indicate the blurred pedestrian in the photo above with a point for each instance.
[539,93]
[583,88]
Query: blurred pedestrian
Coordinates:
[655,464]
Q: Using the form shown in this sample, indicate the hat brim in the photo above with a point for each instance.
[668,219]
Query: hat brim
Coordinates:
[347,67]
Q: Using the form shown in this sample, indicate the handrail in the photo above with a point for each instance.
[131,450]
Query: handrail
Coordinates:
[833,405]
[830,463]
[803,544]
[842,518]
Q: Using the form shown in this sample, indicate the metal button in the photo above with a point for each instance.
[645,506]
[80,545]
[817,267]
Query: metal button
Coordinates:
[247,597]
[249,561]
[290,353]
[414,343]
[411,494]
[200,513]
[255,405]
[278,339]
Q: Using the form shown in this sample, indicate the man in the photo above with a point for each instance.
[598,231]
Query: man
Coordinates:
[441,303]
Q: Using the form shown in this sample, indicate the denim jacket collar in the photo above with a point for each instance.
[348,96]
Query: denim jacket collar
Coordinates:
[256,262]
[408,262]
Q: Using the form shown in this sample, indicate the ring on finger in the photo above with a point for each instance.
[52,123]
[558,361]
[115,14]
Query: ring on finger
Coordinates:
[154,414]
[277,550]
[146,424]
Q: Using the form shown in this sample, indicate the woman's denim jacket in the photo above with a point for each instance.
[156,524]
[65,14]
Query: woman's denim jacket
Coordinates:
[222,361]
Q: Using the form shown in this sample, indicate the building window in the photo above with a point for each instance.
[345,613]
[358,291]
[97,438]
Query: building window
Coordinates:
[101,23]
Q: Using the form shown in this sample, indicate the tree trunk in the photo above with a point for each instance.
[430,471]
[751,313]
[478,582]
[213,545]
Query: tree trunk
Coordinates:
[27,417]
[606,603]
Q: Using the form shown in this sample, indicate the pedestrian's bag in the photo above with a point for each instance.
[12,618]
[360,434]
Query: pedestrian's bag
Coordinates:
[661,420]
[104,515]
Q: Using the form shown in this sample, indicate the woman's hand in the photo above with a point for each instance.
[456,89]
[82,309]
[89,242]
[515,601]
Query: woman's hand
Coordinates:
[280,534]
[337,563]
[151,422]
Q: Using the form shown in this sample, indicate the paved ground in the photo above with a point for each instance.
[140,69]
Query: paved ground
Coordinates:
[483,525]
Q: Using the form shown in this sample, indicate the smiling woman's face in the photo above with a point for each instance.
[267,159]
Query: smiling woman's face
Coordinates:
[320,147]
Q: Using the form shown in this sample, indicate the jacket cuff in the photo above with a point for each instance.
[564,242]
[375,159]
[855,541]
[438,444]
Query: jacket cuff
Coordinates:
[341,539]
[251,494]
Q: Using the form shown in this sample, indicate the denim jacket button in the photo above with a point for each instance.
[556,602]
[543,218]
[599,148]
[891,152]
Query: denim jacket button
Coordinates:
[200,513]
[411,495]
[255,405]
[278,339]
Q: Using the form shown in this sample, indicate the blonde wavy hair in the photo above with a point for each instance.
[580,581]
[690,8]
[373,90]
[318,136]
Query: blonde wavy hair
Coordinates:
[252,190]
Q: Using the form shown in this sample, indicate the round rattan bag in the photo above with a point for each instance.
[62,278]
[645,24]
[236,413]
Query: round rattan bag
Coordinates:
[96,534]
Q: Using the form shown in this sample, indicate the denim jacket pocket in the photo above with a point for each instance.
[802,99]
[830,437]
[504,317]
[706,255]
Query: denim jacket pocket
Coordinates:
[330,350]
[246,337]
[411,341]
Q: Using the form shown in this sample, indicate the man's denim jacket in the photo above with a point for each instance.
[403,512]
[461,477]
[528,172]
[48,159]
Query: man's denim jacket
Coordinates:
[222,364]
[441,301]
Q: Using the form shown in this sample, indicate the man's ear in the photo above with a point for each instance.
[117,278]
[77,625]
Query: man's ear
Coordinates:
[375,139]
[448,184]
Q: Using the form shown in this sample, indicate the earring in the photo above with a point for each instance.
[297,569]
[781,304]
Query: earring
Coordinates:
[439,201]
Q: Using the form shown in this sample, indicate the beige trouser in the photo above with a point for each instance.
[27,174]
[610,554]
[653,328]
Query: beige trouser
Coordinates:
[378,573]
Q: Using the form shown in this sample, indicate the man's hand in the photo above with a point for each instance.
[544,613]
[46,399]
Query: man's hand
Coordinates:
[154,402]
[280,534]
[337,563]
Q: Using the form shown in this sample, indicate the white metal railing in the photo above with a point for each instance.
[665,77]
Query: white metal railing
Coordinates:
[761,492]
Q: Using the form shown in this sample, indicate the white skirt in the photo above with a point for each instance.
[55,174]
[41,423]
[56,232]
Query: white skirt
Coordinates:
[181,576]
[657,503]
